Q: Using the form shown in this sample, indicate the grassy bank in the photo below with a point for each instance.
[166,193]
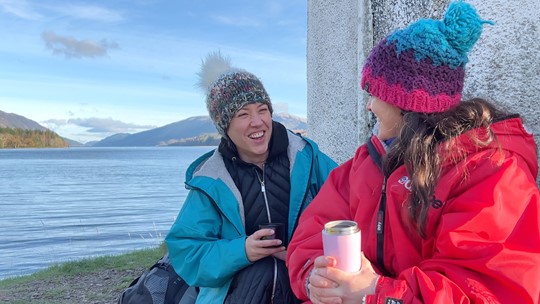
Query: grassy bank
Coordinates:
[96,281]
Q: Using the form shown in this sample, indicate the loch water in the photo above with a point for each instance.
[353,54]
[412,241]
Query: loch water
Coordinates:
[59,205]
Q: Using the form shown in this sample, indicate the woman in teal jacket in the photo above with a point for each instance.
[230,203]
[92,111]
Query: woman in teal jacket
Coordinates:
[260,173]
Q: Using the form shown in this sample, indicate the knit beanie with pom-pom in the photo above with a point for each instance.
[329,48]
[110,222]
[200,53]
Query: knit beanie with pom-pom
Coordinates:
[228,89]
[421,68]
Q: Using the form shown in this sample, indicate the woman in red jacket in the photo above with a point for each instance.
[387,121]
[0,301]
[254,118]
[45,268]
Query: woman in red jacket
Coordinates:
[444,193]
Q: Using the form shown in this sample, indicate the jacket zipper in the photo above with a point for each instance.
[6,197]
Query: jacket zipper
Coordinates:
[379,226]
[263,190]
[381,214]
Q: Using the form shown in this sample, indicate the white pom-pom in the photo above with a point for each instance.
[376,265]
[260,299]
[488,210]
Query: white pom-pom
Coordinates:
[213,66]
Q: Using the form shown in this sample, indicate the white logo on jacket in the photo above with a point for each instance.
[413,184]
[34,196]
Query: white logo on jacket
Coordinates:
[406,182]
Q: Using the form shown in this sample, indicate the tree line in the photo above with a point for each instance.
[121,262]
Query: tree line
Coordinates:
[11,138]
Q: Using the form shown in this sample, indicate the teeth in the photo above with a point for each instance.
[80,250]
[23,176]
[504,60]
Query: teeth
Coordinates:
[256,135]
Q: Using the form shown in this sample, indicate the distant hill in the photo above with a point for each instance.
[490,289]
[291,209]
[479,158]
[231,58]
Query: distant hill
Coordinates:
[14,121]
[191,127]
[111,140]
[193,131]
[291,122]
[20,132]
[74,143]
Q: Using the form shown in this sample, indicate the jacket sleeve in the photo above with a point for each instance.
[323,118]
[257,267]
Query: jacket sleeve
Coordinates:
[201,251]
[484,248]
[306,243]
[324,165]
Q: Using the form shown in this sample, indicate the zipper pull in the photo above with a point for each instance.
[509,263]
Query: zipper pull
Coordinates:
[263,188]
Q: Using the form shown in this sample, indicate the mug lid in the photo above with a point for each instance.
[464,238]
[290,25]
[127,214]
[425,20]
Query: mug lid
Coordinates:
[341,227]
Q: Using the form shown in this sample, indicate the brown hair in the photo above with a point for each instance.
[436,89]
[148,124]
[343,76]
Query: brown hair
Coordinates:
[419,141]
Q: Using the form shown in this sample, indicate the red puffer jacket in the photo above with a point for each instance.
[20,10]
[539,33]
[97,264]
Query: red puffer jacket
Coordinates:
[482,241]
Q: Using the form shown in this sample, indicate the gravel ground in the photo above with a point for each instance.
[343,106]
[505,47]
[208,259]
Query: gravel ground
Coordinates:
[102,287]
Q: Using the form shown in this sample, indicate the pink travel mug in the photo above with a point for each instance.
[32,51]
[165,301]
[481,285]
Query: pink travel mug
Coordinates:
[341,240]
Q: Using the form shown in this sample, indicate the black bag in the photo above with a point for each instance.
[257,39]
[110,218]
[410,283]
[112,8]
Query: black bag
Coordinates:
[159,285]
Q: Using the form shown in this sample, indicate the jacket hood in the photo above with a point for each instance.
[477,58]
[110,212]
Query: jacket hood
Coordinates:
[515,138]
[510,136]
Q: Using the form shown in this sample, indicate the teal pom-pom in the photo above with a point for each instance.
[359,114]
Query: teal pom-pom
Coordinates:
[445,42]
[462,26]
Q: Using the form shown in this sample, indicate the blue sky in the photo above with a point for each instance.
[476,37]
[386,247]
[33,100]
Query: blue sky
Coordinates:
[90,69]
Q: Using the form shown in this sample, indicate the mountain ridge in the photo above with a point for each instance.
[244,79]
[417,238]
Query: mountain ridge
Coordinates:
[192,131]
[17,131]
[15,121]
[187,131]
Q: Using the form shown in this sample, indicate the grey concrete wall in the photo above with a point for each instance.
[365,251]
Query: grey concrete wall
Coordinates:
[332,76]
[503,66]
[505,63]
[390,15]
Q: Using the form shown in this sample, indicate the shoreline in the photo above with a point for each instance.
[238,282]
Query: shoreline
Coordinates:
[89,281]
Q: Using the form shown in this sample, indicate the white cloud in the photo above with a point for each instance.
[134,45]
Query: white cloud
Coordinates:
[74,48]
[36,11]
[88,12]
[99,125]
[20,8]
[54,122]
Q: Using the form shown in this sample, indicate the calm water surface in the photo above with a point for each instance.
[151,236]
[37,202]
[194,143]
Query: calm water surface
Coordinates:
[60,205]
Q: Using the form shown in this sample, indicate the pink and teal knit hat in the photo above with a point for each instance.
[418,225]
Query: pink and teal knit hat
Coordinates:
[421,68]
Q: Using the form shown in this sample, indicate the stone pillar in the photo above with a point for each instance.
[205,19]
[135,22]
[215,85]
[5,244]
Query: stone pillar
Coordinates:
[504,65]
[332,79]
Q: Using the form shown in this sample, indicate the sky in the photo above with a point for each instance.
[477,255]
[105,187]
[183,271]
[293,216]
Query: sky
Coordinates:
[91,69]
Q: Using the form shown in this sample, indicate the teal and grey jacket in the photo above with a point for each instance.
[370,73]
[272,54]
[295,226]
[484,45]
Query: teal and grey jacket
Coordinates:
[206,243]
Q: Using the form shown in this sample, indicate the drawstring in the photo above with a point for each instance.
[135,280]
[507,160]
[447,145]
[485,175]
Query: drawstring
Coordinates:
[275,281]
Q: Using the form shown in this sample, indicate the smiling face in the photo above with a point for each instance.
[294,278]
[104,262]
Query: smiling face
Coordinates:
[250,130]
[388,117]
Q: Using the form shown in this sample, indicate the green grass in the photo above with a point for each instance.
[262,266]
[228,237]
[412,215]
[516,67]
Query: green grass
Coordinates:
[94,280]
[119,262]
